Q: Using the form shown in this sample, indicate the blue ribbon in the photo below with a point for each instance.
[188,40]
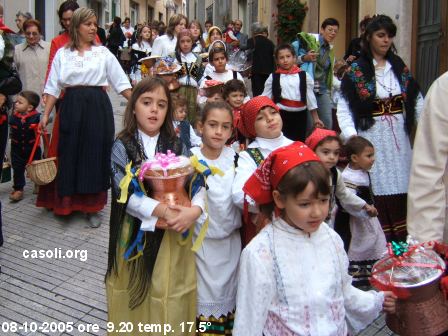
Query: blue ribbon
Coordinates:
[137,243]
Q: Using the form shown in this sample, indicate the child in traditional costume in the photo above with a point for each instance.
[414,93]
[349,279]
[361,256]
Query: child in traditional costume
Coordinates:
[151,275]
[293,275]
[367,241]
[183,128]
[234,93]
[217,258]
[191,71]
[292,90]
[261,122]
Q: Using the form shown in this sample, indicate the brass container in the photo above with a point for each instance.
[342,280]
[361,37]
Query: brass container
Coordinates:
[169,190]
[423,313]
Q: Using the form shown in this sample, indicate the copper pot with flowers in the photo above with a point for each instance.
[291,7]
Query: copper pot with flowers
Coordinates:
[166,175]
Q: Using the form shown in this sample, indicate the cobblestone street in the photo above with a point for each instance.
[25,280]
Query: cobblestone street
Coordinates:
[66,290]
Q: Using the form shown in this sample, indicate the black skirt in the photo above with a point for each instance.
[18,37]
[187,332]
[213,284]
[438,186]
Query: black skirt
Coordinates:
[86,133]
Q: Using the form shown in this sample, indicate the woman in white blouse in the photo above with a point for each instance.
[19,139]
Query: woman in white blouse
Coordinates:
[166,44]
[86,130]
[381,102]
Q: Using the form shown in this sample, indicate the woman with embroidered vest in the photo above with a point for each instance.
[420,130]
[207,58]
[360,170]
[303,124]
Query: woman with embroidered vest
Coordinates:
[191,71]
[86,121]
[316,56]
[166,44]
[382,102]
[292,90]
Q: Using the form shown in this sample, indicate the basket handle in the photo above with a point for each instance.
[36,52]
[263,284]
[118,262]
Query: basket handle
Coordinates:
[39,133]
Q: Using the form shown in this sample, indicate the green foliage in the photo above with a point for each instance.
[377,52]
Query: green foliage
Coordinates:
[290,17]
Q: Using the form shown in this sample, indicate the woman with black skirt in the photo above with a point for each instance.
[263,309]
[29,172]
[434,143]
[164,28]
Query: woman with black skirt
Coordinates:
[86,131]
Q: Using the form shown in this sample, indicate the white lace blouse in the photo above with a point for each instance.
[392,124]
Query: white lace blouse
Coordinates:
[294,283]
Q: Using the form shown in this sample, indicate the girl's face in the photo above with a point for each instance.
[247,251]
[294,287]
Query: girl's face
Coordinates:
[285,59]
[365,159]
[219,62]
[268,123]
[216,129]
[195,31]
[87,30]
[179,27]
[215,35]
[150,111]
[154,34]
[215,97]
[66,18]
[146,33]
[304,210]
[180,113]
[185,44]
[235,99]
[328,152]
[380,42]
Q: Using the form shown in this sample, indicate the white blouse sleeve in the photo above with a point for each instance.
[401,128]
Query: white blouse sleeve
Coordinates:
[245,168]
[157,47]
[349,201]
[361,308]
[345,119]
[268,87]
[52,86]
[2,47]
[311,101]
[115,74]
[256,290]
[195,140]
[419,104]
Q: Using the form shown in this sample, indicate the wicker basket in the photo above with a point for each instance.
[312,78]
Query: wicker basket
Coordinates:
[42,171]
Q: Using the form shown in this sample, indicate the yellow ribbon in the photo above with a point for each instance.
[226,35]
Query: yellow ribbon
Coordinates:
[200,169]
[124,183]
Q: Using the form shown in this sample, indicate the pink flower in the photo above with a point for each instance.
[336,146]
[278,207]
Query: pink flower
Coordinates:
[364,92]
[360,85]
[358,73]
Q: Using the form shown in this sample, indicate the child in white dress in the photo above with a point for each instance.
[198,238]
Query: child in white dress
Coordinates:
[293,275]
[260,121]
[218,256]
[367,242]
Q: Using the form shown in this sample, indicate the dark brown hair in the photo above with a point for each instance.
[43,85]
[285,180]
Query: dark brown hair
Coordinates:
[284,47]
[233,85]
[174,21]
[178,100]
[130,121]
[356,145]
[329,139]
[219,105]
[32,22]
[217,50]
[201,31]
[69,5]
[296,180]
[32,98]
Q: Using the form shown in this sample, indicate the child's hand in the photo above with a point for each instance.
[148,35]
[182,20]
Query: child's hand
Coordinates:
[389,304]
[318,123]
[371,210]
[186,216]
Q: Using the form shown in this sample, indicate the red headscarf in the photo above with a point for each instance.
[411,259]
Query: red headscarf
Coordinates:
[317,136]
[249,113]
[269,174]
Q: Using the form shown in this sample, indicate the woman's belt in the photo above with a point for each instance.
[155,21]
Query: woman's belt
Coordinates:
[392,105]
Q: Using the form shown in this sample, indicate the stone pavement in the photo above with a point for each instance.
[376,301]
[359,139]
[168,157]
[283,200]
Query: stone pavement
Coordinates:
[52,293]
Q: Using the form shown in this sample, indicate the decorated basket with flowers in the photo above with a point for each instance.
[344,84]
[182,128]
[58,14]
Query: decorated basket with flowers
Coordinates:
[414,272]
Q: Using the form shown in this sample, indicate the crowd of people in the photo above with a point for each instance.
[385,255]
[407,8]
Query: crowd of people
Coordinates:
[290,239]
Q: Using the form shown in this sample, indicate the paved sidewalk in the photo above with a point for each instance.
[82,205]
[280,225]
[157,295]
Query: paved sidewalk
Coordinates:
[52,293]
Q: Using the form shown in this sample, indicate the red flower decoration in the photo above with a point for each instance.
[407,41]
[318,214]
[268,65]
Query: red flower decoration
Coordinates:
[358,73]
[364,92]
[360,85]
